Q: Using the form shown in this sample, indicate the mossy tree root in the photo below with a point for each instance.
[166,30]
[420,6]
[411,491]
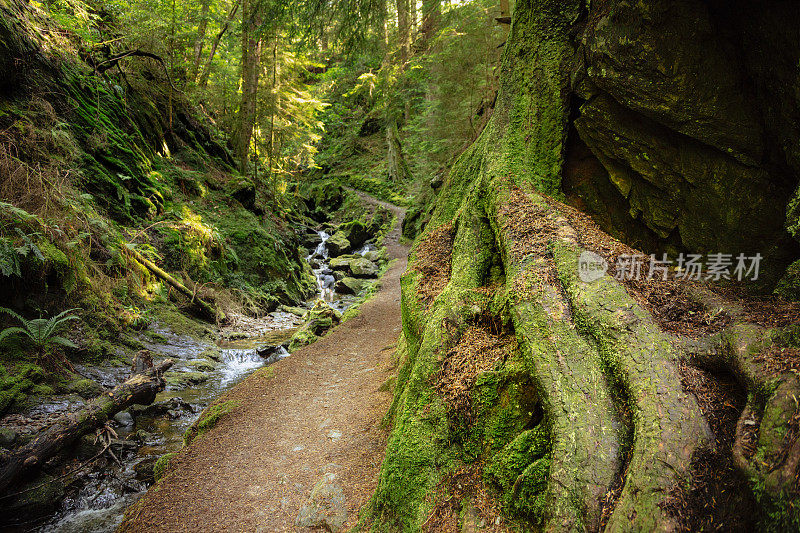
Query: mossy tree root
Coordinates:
[771,461]
[668,425]
[420,451]
[584,427]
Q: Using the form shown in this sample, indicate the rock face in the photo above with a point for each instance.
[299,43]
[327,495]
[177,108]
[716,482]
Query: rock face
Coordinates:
[683,135]
[326,507]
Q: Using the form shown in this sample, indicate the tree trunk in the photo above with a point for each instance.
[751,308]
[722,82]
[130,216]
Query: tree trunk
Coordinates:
[200,40]
[214,45]
[404,30]
[398,168]
[431,17]
[140,389]
[251,69]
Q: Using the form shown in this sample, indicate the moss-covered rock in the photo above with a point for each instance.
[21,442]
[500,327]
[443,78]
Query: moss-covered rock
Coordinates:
[350,285]
[208,420]
[363,268]
[200,365]
[319,320]
[338,244]
[182,380]
[162,465]
[85,388]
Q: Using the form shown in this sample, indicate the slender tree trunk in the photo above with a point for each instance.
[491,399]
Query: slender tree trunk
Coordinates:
[200,40]
[251,68]
[431,17]
[207,68]
[404,29]
[382,28]
[505,16]
[276,103]
[412,10]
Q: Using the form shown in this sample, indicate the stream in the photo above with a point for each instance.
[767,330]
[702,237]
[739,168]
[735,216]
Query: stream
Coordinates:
[99,494]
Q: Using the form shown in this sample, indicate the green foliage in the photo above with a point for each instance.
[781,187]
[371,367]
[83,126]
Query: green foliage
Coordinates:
[41,332]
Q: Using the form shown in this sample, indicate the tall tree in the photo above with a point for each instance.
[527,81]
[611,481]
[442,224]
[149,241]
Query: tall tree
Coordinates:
[404,29]
[431,17]
[251,69]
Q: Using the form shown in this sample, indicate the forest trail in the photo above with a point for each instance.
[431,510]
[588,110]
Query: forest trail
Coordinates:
[316,412]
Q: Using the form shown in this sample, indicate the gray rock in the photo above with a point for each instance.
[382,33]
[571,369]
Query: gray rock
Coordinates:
[124,418]
[326,507]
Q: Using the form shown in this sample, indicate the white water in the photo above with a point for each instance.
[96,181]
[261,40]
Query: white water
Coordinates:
[325,281]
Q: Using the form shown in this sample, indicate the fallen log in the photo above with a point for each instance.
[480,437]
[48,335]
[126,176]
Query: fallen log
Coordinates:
[138,389]
[209,312]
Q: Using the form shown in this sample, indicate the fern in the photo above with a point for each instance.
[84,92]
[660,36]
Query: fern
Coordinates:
[41,332]
[9,258]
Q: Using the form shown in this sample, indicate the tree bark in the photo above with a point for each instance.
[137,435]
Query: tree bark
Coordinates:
[431,17]
[398,168]
[251,69]
[404,30]
[139,389]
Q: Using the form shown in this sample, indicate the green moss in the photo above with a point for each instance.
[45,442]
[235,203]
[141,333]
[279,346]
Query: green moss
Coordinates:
[161,466]
[208,420]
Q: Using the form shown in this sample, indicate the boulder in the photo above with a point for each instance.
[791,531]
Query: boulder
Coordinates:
[326,507]
[341,264]
[350,285]
[363,268]
[182,380]
[320,319]
[376,255]
[124,418]
[200,365]
[356,232]
[338,244]
[7,437]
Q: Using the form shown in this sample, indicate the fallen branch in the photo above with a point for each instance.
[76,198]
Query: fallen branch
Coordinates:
[139,389]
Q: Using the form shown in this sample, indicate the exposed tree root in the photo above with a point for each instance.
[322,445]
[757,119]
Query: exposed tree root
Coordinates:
[628,445]
[766,447]
[566,368]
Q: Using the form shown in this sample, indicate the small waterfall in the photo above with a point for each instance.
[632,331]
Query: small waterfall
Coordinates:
[238,363]
[325,279]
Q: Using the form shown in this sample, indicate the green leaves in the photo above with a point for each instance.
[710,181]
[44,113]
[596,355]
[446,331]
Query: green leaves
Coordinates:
[41,332]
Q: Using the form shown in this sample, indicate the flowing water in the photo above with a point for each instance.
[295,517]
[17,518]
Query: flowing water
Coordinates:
[100,493]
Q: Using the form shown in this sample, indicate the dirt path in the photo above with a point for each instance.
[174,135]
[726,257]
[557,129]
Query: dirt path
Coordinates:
[316,412]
